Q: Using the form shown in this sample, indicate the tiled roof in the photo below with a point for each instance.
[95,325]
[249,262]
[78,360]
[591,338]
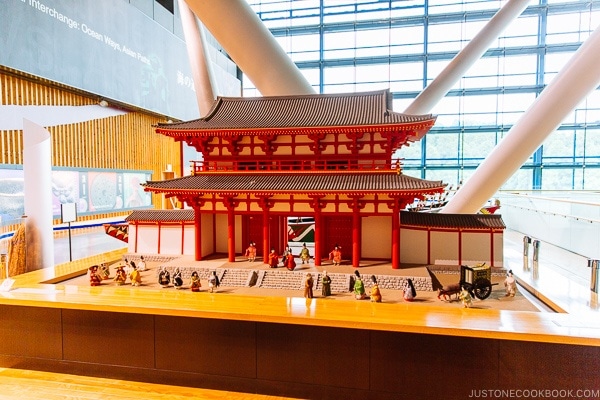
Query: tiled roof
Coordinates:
[314,110]
[310,182]
[441,220]
[161,215]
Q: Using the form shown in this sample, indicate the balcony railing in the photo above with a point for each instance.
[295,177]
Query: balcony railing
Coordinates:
[198,167]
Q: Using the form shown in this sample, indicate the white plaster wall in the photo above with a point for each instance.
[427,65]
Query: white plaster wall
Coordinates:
[413,246]
[189,238]
[208,242]
[221,233]
[476,247]
[498,249]
[170,239]
[131,230]
[444,246]
[376,237]
[147,239]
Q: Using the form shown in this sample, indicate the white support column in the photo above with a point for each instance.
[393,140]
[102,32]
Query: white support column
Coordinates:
[251,46]
[204,82]
[37,173]
[573,83]
[461,63]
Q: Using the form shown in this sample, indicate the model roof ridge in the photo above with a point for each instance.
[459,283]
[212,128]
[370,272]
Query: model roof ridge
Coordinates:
[367,108]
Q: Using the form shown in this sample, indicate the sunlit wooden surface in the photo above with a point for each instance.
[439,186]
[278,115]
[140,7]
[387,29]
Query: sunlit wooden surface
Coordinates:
[400,317]
[25,384]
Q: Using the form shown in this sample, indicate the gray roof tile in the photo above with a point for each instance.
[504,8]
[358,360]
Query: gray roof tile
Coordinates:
[308,182]
[309,111]
[441,220]
[161,215]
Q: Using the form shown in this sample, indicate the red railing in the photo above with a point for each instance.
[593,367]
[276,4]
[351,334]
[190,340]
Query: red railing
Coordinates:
[300,165]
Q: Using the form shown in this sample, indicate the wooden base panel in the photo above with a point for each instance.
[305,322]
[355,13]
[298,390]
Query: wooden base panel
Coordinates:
[285,359]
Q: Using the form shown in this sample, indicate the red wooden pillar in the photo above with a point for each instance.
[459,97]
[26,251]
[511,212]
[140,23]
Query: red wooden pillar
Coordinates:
[265,205]
[396,236]
[231,234]
[356,231]
[198,234]
[460,247]
[492,248]
[265,235]
[317,206]
[230,203]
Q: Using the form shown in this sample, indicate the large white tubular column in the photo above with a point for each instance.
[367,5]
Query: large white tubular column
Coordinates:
[573,83]
[461,63]
[37,172]
[204,82]
[251,46]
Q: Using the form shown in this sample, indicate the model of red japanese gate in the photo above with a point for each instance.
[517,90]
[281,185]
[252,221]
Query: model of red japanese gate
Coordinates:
[328,157]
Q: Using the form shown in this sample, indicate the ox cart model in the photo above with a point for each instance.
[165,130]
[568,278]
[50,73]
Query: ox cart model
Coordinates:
[477,280]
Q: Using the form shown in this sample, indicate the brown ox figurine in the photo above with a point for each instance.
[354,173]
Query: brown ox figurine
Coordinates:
[447,291]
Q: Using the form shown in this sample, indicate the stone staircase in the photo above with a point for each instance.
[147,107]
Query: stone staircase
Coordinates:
[237,277]
[290,280]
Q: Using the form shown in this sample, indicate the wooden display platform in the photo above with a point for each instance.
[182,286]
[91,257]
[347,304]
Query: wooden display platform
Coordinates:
[289,346]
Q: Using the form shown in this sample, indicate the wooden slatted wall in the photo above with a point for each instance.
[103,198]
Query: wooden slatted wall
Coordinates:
[123,142]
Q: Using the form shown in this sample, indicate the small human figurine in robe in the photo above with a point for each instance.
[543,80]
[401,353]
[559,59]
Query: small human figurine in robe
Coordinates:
[304,254]
[164,277]
[177,279]
[375,292]
[135,276]
[95,277]
[127,267]
[251,252]
[213,282]
[325,284]
[409,292]
[120,275]
[289,262]
[466,298]
[308,286]
[104,271]
[359,286]
[336,255]
[142,264]
[195,282]
[273,259]
[510,284]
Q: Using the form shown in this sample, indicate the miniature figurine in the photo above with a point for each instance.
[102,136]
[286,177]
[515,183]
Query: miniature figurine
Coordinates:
[195,282]
[104,271]
[304,254]
[127,267]
[375,292]
[164,277]
[325,285]
[466,298]
[213,282]
[142,264]
[135,276]
[95,278]
[409,293]
[289,261]
[510,284]
[251,252]
[448,290]
[273,259]
[177,279]
[308,286]
[120,275]
[359,287]
[336,255]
